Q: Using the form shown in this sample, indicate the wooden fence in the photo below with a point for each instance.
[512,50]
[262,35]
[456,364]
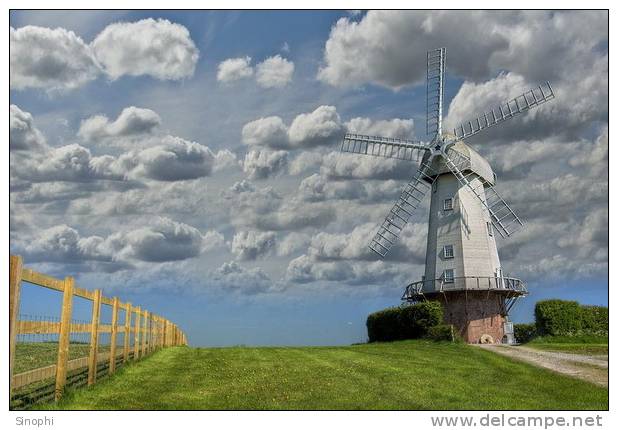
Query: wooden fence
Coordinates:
[150,332]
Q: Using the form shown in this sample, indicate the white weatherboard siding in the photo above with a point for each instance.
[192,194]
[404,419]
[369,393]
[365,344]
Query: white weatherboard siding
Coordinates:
[465,228]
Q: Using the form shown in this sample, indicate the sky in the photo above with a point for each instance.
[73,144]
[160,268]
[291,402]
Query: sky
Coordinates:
[188,161]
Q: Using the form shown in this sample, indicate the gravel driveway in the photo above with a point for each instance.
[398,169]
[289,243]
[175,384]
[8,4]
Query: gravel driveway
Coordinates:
[591,368]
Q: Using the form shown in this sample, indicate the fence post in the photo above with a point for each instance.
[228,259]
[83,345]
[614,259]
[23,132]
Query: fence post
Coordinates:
[112,341]
[127,333]
[149,346]
[64,337]
[145,334]
[94,338]
[137,337]
[15,266]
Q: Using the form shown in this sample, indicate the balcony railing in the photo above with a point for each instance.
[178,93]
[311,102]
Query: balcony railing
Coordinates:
[465,283]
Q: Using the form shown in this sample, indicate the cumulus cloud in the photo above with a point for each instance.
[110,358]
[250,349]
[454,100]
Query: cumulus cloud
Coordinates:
[234,69]
[175,159]
[251,245]
[292,242]
[398,128]
[262,164]
[336,165]
[72,163]
[160,241]
[53,59]
[132,121]
[304,162]
[388,47]
[58,59]
[165,240]
[304,269]
[159,48]
[269,131]
[23,135]
[274,72]
[321,127]
[232,276]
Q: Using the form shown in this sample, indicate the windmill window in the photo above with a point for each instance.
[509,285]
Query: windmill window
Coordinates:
[490,229]
[448,204]
[434,187]
[448,251]
[448,276]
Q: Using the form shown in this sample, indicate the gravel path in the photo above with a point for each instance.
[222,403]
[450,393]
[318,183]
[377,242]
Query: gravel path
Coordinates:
[591,368]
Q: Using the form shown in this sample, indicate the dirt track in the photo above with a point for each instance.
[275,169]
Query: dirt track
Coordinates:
[591,368]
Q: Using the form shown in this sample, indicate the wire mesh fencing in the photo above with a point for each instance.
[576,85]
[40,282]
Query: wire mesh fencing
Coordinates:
[51,351]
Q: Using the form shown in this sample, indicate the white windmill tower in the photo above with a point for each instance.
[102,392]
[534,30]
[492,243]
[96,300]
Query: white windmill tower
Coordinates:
[462,267]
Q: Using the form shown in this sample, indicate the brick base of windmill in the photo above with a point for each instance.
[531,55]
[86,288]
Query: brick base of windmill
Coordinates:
[478,315]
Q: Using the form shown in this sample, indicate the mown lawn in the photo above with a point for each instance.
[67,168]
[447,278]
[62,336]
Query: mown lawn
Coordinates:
[598,345]
[399,375]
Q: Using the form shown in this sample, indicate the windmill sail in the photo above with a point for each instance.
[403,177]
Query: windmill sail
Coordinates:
[504,220]
[387,147]
[528,100]
[436,61]
[409,200]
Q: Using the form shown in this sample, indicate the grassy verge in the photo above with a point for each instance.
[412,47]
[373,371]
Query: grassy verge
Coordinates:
[399,375]
[574,344]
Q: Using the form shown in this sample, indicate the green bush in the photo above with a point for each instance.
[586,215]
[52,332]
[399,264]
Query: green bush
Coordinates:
[557,317]
[441,332]
[595,319]
[569,318]
[524,332]
[404,322]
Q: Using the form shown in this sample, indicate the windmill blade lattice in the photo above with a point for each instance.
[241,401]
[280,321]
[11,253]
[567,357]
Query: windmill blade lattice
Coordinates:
[409,200]
[436,63]
[504,220]
[387,147]
[520,104]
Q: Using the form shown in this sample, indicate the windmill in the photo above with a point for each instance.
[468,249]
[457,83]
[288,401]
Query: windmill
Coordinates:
[462,267]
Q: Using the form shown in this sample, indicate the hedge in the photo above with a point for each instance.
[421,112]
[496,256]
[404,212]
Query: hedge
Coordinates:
[568,318]
[404,322]
[443,332]
[595,319]
[524,332]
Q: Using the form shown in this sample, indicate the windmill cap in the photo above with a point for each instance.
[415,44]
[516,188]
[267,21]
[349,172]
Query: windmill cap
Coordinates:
[477,164]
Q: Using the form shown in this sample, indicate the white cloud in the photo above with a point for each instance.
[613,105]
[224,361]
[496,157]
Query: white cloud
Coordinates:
[72,163]
[274,72]
[232,276]
[251,245]
[23,135]
[388,47]
[262,164]
[132,121]
[337,165]
[396,127]
[234,69]
[53,59]
[269,131]
[58,59]
[159,48]
[292,243]
[320,127]
[305,161]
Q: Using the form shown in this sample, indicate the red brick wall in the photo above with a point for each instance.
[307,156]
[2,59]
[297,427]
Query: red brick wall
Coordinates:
[474,314]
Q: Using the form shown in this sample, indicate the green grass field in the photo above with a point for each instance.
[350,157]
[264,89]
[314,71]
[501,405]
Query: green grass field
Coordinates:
[31,355]
[598,345]
[399,375]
